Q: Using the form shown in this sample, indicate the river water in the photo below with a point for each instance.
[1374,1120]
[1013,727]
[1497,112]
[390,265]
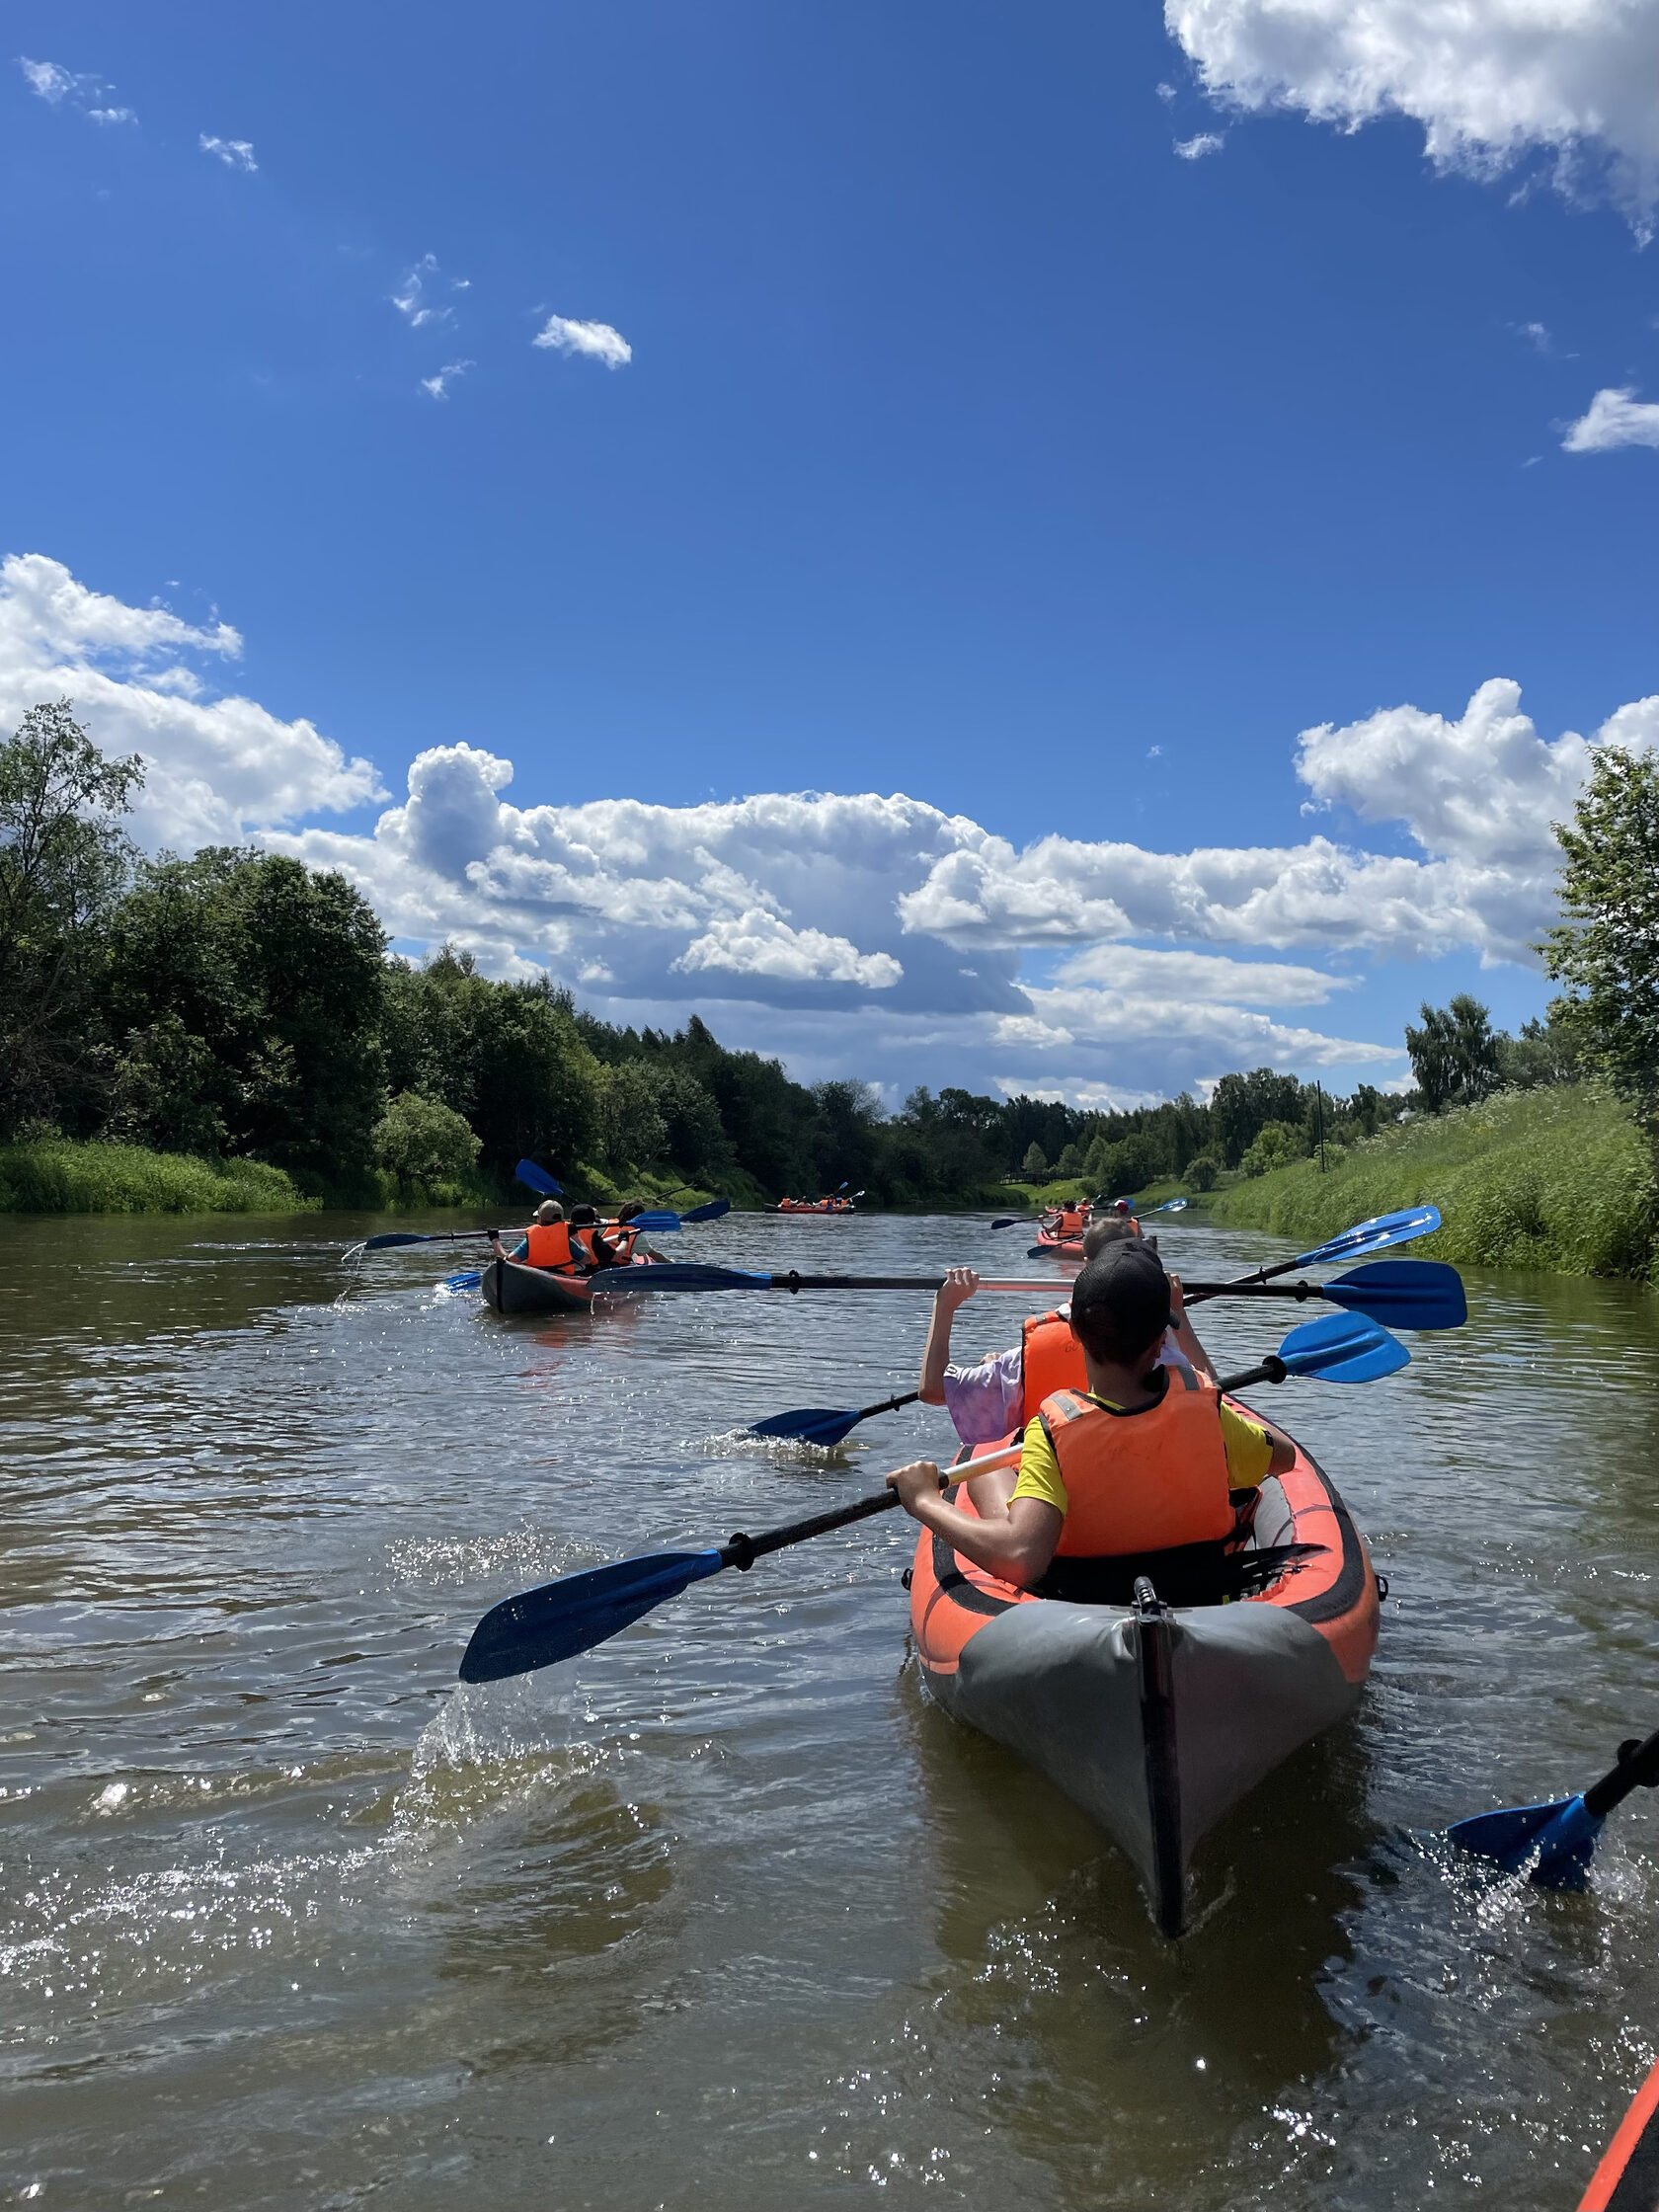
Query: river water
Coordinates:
[726,1912]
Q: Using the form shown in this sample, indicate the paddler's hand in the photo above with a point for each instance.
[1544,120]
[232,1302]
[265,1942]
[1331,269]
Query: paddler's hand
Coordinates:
[1177,1302]
[920,1480]
[956,1289]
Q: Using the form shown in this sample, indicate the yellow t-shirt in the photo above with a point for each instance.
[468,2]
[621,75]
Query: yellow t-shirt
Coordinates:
[1250,1455]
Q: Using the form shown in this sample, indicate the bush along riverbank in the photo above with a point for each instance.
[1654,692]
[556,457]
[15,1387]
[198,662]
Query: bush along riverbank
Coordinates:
[56,1175]
[1558,1179]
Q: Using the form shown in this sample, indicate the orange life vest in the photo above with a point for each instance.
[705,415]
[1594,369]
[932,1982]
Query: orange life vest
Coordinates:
[1146,1481]
[548,1244]
[1072,1221]
[1051,1360]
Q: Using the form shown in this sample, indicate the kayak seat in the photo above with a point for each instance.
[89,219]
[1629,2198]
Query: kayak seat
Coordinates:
[1186,1574]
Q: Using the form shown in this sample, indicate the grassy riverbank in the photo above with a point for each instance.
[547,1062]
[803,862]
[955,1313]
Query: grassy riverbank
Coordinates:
[1556,1178]
[58,1176]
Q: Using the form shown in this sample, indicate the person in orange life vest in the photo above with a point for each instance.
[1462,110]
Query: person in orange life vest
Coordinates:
[545,1244]
[1002,1390]
[1143,1461]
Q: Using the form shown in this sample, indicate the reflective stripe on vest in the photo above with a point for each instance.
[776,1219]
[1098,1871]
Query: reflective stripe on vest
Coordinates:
[548,1244]
[1051,1360]
[1140,1481]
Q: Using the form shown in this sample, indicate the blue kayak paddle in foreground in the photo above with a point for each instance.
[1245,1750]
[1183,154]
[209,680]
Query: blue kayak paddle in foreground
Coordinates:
[1552,1844]
[541,1626]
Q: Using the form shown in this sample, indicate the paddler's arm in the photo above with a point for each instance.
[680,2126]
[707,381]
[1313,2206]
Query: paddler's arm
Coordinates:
[958,1286]
[1015,1544]
[1186,1336]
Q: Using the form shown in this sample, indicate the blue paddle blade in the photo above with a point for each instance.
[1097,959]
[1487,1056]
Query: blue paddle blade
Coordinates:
[659,1223]
[385,1243]
[712,1211]
[538,1179]
[1009,1220]
[541,1626]
[1406,1294]
[1343,1348]
[1551,1843]
[467,1282]
[1375,1235]
[810,1424]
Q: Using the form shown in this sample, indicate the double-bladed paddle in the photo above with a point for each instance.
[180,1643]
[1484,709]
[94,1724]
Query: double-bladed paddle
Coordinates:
[538,1180]
[1404,1293]
[1552,1843]
[561,1618]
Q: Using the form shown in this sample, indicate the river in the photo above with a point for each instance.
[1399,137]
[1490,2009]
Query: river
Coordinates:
[726,1912]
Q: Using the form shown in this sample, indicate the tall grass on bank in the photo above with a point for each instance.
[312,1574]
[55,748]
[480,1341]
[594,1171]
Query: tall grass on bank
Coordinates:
[1557,1179]
[56,1175]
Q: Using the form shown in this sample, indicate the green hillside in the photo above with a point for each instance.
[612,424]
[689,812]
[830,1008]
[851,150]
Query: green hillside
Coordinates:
[1558,1178]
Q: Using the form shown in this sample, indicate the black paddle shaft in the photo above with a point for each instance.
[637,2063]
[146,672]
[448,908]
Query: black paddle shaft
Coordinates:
[1193,1293]
[1637,1769]
[743,1550]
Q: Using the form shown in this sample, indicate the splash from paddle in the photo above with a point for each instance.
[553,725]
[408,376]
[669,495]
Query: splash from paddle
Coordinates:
[1552,1844]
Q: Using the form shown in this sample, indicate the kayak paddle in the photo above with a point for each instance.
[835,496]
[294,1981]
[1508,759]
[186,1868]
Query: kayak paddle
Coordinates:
[1407,1293]
[1358,1243]
[815,1424]
[450,1237]
[1552,1843]
[561,1618]
[538,1179]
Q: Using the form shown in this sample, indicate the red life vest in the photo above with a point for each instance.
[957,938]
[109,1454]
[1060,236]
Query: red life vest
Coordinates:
[1146,1481]
[1051,1360]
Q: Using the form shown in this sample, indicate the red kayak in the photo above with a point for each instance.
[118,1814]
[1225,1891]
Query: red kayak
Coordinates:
[1628,2178]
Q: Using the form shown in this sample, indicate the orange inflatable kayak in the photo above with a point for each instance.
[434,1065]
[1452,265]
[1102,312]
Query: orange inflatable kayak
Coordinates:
[1159,1703]
[1628,2178]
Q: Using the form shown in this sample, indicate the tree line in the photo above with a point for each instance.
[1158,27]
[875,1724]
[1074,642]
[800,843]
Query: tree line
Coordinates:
[238,1004]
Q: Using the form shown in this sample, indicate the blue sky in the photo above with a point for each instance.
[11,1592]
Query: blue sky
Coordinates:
[973,444]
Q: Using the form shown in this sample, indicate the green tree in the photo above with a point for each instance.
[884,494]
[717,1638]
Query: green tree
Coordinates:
[278,974]
[1202,1173]
[1455,1056]
[1071,1161]
[1033,1168]
[1275,1145]
[424,1143]
[63,861]
[1243,1105]
[1607,949]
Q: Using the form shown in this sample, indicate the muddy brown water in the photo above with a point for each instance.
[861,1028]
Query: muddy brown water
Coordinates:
[726,1912]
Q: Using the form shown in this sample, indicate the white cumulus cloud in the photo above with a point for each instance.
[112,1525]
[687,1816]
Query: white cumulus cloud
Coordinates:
[758,943]
[1612,419]
[1489,81]
[857,929]
[216,766]
[562,335]
[235,153]
[1195,148]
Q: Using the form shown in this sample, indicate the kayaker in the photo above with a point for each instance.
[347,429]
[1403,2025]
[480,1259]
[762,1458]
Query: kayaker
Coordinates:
[545,1244]
[1141,1462]
[1001,1392]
